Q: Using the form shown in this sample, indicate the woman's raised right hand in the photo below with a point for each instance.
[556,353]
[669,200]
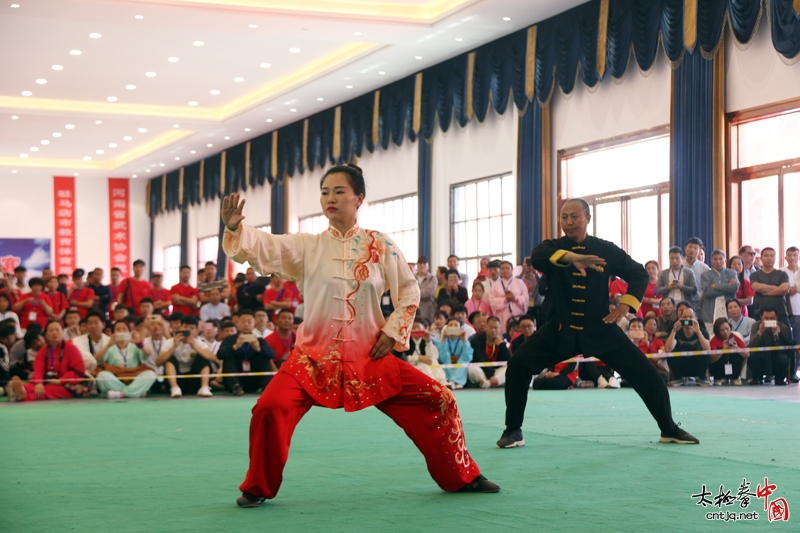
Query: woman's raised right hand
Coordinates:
[231,212]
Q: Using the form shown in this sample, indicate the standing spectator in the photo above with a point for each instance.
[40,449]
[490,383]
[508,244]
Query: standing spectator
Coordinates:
[116,276]
[80,296]
[509,296]
[478,302]
[188,355]
[771,287]
[748,254]
[214,309]
[102,294]
[246,352]
[23,354]
[276,296]
[33,306]
[454,349]
[757,262]
[121,358]
[7,314]
[740,325]
[132,290]
[744,293]
[282,339]
[63,279]
[651,299]
[718,285]
[692,249]
[685,337]
[493,269]
[209,280]
[145,308]
[452,264]
[726,368]
[478,321]
[488,347]
[72,321]
[677,281]
[453,292]
[184,296]
[441,281]
[250,294]
[93,341]
[769,367]
[793,298]
[20,273]
[530,278]
[427,288]
[161,296]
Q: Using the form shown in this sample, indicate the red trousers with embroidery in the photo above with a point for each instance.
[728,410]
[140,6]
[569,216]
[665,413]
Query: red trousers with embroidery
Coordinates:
[424,409]
[51,392]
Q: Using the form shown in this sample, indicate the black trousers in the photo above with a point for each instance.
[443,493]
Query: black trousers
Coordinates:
[769,364]
[718,369]
[248,383]
[592,372]
[688,367]
[541,351]
[560,382]
[190,385]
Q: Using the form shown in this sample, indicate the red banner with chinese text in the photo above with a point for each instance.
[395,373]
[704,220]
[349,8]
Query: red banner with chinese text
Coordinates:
[65,229]
[119,224]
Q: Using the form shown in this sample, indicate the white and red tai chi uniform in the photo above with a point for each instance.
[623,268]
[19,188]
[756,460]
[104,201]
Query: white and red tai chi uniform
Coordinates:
[342,278]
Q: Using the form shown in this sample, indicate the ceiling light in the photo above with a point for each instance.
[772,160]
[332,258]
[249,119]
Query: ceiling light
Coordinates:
[348,86]
[44,141]
[227,138]
[193,152]
[74,173]
[247,129]
[14,117]
[23,156]
[176,125]
[112,145]
[506,18]
[269,120]
[56,134]
[138,17]
[134,176]
[459,39]
[75,52]
[198,43]
[27,93]
[99,152]
[294,50]
[177,159]
[381,72]
[209,145]
[34,148]
[173,59]
[112,98]
[161,164]
[359,33]
[238,80]
[142,130]
[320,99]
[150,74]
[41,81]
[417,57]
[293,110]
[13,171]
[252,26]
[14,6]
[127,138]
[98,121]
[95,35]
[214,91]
[192,103]
[70,126]
[147,170]
[130,87]
[265,65]
[57,67]
[87,158]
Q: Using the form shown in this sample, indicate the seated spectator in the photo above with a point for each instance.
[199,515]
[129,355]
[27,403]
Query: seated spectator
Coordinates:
[512,329]
[460,312]
[263,324]
[7,314]
[93,341]
[214,308]
[187,356]
[769,367]
[446,307]
[726,368]
[744,293]
[452,264]
[208,279]
[478,303]
[624,321]
[427,288]
[123,370]
[276,296]
[23,354]
[649,344]
[174,320]
[678,282]
[771,287]
[184,297]
[439,323]
[80,296]
[617,287]
[718,285]
[282,339]
[478,321]
[740,324]
[422,352]
[120,312]
[161,296]
[686,305]
[57,300]
[58,371]
[453,292]
[8,338]
[33,306]
[488,347]
[146,306]
[651,299]
[561,377]
[527,327]
[686,336]
[454,349]
[210,334]
[509,296]
[298,321]
[246,352]
[441,281]
[154,345]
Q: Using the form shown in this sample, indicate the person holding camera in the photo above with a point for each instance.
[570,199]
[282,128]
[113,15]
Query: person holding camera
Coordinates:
[454,349]
[188,355]
[123,364]
[687,336]
[769,367]
[246,352]
[726,368]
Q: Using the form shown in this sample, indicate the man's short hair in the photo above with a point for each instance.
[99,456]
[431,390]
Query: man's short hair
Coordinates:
[298,320]
[422,260]
[183,267]
[35,281]
[509,263]
[667,298]
[695,240]
[176,316]
[227,324]
[146,300]
[675,250]
[743,248]
[115,269]
[732,301]
[494,263]
[768,249]
[440,314]
[452,271]
[247,312]
[769,309]
[190,321]
[493,319]
[62,276]
[718,252]
[20,268]
[211,263]
[459,309]
[253,311]
[452,255]
[97,314]
[527,317]
[283,312]
[156,275]
[78,273]
[792,249]
[582,203]
[138,262]
[6,330]
[473,315]
[71,312]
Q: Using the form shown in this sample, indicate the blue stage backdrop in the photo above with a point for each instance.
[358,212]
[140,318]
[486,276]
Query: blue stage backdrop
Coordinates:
[33,254]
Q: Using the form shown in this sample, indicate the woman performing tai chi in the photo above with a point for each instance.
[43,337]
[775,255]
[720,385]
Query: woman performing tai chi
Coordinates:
[339,359]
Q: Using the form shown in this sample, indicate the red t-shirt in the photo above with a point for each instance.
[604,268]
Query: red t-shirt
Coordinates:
[572,376]
[654,346]
[84,294]
[57,301]
[617,286]
[649,292]
[114,294]
[281,347]
[32,310]
[291,286]
[743,292]
[718,344]
[138,289]
[187,291]
[162,295]
[282,295]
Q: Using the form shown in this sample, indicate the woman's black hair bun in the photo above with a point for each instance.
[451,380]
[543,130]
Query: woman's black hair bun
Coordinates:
[356,167]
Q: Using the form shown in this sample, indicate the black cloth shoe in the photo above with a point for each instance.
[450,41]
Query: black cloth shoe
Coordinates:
[678,436]
[480,484]
[511,439]
[238,390]
[249,500]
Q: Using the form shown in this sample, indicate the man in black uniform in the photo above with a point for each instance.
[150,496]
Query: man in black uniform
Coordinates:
[577,268]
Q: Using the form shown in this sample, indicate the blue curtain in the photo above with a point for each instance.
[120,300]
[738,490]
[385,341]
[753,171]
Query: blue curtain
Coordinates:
[278,207]
[191,184]
[235,168]
[424,172]
[260,159]
[785,24]
[185,234]
[529,192]
[691,138]
[152,244]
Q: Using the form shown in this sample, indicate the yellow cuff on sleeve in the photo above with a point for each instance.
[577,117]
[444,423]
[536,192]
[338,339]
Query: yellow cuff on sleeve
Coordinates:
[631,302]
[556,256]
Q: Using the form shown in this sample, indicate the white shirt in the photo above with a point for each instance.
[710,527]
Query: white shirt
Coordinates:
[263,333]
[794,281]
[13,316]
[698,268]
[742,327]
[158,348]
[185,355]
[219,311]
[86,345]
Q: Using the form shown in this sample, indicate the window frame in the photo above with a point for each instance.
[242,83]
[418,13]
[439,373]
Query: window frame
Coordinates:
[413,195]
[201,264]
[164,264]
[300,221]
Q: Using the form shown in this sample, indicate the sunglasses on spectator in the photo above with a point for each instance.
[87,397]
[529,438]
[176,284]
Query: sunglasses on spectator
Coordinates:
[750,253]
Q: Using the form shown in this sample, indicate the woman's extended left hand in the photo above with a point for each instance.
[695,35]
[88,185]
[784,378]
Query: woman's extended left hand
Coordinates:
[382,347]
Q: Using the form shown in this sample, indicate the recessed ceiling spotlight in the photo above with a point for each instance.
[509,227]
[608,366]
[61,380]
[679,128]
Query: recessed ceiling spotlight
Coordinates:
[320,99]
[265,65]
[13,171]
[56,134]
[227,138]
[209,145]
[381,72]
[14,117]
[134,176]
[130,87]
[192,103]
[138,17]
[294,50]
[193,151]
[147,170]
[87,158]
[41,81]
[459,39]
[99,152]
[269,120]
[44,141]
[34,149]
[74,173]
[348,86]
[252,26]
[70,126]
[75,52]
[23,156]
[293,110]
[173,59]
[57,67]
[247,129]
[27,93]
[150,74]
[177,159]
[417,57]
[238,80]
[198,43]
[112,98]
[176,125]
[214,91]
[112,145]
[98,121]
[95,35]
[506,18]
[127,138]
[14,6]
[359,33]
[142,130]
[161,164]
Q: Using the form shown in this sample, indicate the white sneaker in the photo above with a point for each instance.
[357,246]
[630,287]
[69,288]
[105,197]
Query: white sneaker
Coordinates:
[485,384]
[175,392]
[115,394]
[602,383]
[613,383]
[204,392]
